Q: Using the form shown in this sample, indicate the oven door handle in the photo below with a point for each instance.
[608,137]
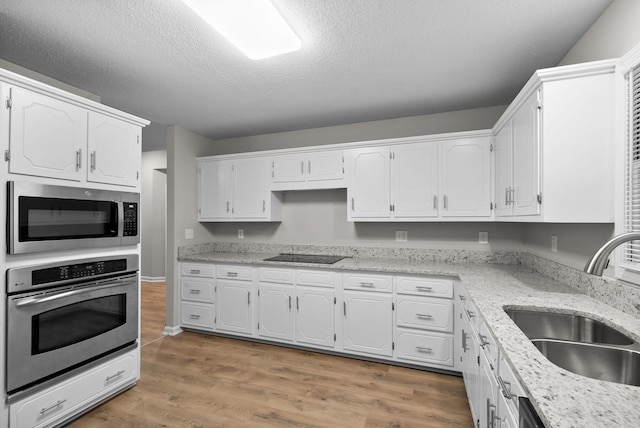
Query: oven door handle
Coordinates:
[38,300]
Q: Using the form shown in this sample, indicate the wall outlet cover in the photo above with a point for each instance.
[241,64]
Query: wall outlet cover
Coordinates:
[554,243]
[240,233]
[401,236]
[483,237]
[188,234]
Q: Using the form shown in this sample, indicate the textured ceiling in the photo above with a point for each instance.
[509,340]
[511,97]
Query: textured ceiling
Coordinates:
[361,60]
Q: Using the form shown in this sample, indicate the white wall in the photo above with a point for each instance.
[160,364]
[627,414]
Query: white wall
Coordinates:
[153,195]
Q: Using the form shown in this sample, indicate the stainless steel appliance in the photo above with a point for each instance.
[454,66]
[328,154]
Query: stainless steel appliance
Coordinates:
[48,218]
[528,418]
[61,316]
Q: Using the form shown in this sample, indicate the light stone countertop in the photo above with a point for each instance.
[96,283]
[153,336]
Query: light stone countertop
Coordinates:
[562,399]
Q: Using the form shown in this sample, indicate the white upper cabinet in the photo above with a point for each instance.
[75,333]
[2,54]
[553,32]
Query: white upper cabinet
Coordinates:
[308,170]
[368,193]
[236,190]
[448,179]
[554,151]
[58,135]
[114,150]
[47,136]
[465,177]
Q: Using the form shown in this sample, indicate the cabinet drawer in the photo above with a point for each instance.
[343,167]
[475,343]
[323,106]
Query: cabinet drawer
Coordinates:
[315,278]
[368,282]
[426,314]
[196,269]
[199,315]
[430,348]
[283,276]
[235,272]
[197,289]
[420,286]
[72,396]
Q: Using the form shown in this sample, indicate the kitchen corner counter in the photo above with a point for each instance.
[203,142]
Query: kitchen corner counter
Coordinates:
[562,399]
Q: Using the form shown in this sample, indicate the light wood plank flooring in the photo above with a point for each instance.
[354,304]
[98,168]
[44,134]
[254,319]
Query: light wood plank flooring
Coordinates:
[196,380]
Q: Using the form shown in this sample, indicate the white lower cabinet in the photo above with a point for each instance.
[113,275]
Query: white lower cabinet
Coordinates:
[426,347]
[75,395]
[276,311]
[197,296]
[234,306]
[315,316]
[368,323]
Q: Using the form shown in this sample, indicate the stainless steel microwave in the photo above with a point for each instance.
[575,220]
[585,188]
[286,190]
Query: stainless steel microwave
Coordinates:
[43,217]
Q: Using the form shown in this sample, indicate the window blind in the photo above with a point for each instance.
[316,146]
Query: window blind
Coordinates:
[631,250]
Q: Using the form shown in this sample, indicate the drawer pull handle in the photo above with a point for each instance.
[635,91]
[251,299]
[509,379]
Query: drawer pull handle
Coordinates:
[113,376]
[234,274]
[506,388]
[194,291]
[483,340]
[423,288]
[194,316]
[195,271]
[58,404]
[424,349]
[462,297]
[424,316]
[367,285]
[470,314]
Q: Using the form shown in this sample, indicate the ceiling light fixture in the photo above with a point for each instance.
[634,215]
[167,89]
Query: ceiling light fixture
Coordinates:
[253,26]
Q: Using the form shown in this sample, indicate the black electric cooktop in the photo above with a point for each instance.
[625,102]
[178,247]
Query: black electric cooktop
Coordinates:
[305,258]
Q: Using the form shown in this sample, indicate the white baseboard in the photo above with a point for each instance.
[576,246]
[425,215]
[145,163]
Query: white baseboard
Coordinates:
[153,278]
[172,331]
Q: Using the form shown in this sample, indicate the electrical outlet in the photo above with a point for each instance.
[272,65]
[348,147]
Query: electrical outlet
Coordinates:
[554,243]
[483,237]
[401,236]
[240,233]
[188,234]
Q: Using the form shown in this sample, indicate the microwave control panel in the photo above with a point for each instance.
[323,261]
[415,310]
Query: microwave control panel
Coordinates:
[130,226]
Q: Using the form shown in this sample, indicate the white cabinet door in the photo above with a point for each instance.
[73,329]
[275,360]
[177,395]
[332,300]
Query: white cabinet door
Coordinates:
[325,165]
[369,192]
[114,151]
[234,306]
[526,158]
[488,402]
[251,191]
[465,180]
[414,180]
[47,137]
[315,316]
[289,168]
[368,323]
[471,367]
[215,189]
[503,171]
[276,311]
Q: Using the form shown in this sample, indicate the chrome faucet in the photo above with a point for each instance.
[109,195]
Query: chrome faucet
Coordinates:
[598,262]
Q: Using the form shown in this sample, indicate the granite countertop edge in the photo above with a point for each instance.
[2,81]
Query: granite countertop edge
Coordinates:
[563,399]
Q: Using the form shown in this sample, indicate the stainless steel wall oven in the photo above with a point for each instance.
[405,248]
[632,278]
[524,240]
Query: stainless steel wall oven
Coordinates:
[51,218]
[61,316]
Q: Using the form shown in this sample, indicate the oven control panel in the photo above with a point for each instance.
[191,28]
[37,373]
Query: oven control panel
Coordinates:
[32,277]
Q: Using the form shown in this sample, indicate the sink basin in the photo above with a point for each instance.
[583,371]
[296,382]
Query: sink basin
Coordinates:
[575,328]
[594,361]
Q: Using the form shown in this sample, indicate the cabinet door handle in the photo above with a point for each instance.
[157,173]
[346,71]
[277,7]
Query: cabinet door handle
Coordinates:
[58,404]
[462,297]
[445,199]
[424,289]
[491,414]
[78,159]
[483,340]
[298,303]
[506,195]
[424,316]
[113,376]
[93,160]
[344,308]
[424,349]
[228,206]
[248,297]
[512,192]
[289,303]
[264,206]
[470,314]
[309,167]
[506,388]
[435,202]
[353,204]
[301,167]
[464,341]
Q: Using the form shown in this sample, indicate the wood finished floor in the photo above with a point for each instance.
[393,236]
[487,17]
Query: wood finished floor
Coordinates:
[196,380]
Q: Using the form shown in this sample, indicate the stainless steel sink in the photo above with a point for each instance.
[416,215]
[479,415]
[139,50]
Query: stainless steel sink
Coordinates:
[594,361]
[575,328]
